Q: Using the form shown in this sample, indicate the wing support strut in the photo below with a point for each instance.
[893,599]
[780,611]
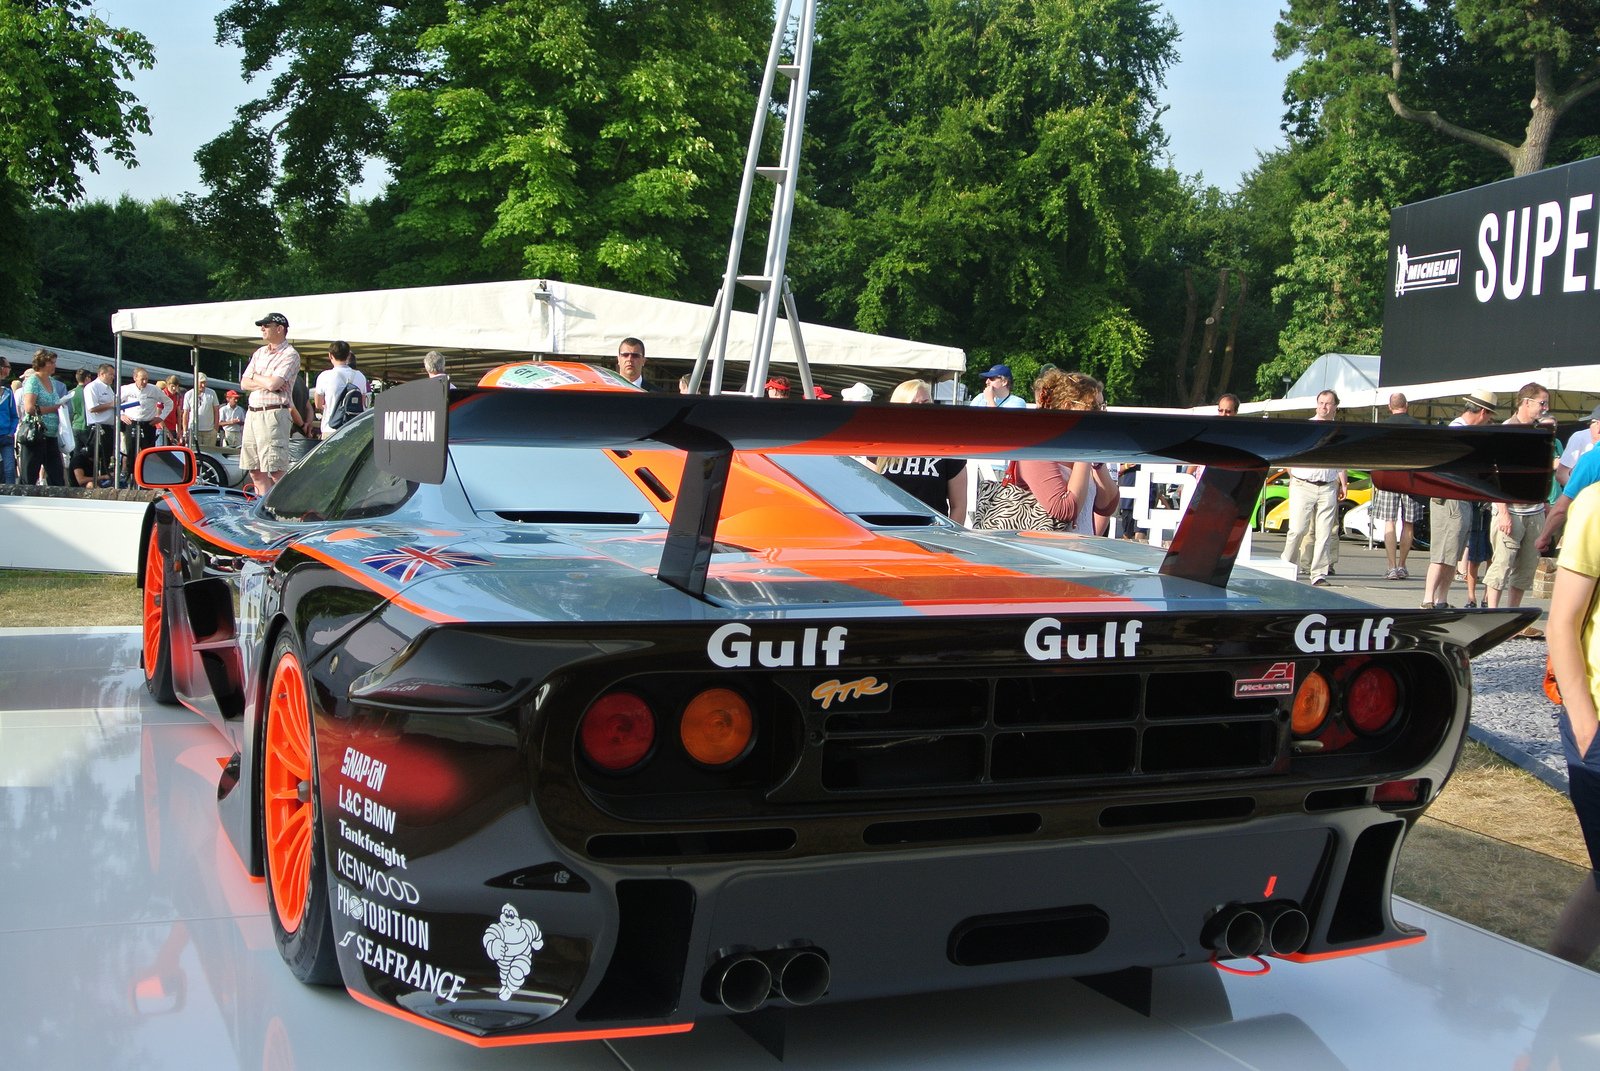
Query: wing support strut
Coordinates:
[1207,541]
[692,533]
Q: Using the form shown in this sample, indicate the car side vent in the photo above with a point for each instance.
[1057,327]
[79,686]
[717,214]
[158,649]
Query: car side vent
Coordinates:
[559,516]
[897,520]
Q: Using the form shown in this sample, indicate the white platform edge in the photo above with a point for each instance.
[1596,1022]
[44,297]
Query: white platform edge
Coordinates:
[78,535]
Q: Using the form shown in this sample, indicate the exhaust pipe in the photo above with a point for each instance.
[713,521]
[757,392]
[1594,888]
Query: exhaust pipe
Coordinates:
[799,975]
[739,983]
[1288,929]
[1235,932]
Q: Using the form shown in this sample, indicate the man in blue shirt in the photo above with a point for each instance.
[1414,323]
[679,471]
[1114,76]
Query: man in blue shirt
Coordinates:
[1585,472]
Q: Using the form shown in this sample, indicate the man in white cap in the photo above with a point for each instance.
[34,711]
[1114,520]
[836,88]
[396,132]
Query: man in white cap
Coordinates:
[1450,519]
[200,414]
[269,377]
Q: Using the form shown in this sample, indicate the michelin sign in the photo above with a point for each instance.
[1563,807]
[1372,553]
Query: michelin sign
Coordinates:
[1495,279]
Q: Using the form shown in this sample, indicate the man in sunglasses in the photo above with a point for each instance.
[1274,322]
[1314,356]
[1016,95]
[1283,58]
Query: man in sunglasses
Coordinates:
[630,362]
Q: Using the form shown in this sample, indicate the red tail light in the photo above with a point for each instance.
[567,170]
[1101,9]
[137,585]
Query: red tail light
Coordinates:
[1399,792]
[1372,699]
[618,731]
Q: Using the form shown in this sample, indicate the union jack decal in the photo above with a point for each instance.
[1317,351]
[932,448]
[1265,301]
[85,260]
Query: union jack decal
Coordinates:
[407,563]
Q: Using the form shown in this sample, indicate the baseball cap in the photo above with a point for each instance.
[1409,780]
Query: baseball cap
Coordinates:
[857,392]
[233,394]
[277,318]
[997,370]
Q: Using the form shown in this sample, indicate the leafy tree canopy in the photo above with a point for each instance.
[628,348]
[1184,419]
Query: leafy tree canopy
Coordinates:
[979,168]
[60,65]
[580,139]
[1498,75]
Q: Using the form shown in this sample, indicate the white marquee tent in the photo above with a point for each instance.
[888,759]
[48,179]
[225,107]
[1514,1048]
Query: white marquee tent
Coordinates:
[1574,390]
[479,325]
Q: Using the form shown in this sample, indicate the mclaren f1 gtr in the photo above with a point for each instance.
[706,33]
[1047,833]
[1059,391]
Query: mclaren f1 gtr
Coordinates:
[576,711]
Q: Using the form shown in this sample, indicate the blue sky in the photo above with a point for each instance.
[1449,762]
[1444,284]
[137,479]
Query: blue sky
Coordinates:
[1224,97]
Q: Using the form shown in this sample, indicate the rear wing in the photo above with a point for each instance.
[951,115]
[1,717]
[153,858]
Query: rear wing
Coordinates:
[415,424]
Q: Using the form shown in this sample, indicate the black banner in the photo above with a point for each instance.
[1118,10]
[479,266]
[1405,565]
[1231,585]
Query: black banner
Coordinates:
[1501,278]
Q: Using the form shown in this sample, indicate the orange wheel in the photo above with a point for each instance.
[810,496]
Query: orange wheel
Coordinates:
[157,647]
[297,883]
[286,784]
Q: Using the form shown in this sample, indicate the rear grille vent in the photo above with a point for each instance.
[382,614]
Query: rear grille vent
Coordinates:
[948,733]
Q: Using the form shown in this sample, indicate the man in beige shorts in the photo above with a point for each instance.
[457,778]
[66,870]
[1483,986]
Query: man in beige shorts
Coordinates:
[269,377]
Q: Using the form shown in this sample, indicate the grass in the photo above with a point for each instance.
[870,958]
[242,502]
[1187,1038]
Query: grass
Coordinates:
[1499,848]
[35,599]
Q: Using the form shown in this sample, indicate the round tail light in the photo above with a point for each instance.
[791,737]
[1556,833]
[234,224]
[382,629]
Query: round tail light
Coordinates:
[717,727]
[1310,705]
[618,731]
[1372,699]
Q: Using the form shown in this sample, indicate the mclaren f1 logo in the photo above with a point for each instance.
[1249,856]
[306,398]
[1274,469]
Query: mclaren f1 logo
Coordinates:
[1279,680]
[826,692]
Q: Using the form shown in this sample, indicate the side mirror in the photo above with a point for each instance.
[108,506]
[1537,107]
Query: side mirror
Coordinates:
[164,467]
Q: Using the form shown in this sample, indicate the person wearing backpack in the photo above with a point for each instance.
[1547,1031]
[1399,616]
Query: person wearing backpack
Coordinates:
[341,391]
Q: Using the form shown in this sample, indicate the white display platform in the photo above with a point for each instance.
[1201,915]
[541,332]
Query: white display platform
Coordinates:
[130,938]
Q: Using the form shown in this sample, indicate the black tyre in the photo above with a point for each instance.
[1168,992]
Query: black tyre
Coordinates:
[208,470]
[291,823]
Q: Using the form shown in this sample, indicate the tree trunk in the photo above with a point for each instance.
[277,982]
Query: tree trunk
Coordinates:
[1208,342]
[1226,374]
[1181,370]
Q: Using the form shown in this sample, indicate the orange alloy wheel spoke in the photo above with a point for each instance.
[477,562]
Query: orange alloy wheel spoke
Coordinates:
[154,578]
[287,779]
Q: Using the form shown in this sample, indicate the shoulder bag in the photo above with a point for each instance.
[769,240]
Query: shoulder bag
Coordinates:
[1007,505]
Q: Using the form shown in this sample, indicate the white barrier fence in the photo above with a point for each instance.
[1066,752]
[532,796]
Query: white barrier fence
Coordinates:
[70,535]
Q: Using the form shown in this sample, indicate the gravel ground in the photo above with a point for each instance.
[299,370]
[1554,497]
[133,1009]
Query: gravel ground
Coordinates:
[1510,713]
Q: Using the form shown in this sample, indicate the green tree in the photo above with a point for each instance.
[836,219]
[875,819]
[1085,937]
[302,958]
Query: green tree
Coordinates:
[593,140]
[579,139]
[980,168]
[1498,75]
[284,167]
[98,257]
[61,106]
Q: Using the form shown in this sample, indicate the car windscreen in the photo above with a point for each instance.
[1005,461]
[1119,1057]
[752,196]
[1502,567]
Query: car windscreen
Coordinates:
[550,485]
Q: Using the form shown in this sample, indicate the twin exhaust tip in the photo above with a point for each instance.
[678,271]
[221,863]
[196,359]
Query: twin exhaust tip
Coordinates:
[1238,931]
[744,981]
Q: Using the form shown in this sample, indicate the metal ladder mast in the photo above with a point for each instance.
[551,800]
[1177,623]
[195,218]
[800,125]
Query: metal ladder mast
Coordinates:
[771,284]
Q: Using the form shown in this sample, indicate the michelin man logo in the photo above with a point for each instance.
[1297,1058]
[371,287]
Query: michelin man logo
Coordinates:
[511,943]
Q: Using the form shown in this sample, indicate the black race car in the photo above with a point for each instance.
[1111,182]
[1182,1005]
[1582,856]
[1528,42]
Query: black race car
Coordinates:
[578,712]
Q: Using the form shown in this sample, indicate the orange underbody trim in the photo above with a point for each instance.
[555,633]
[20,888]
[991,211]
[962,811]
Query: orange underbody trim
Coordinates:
[1317,957]
[532,1039]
